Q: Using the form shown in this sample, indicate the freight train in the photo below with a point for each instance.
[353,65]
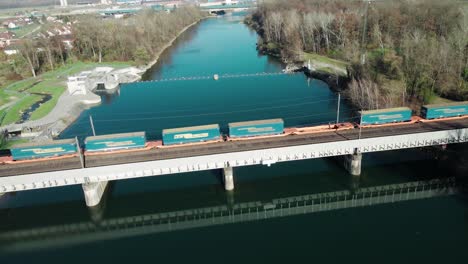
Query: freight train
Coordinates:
[95,145]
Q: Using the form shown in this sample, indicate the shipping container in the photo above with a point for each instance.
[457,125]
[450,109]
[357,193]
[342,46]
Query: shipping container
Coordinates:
[384,116]
[191,134]
[42,150]
[115,142]
[444,110]
[256,128]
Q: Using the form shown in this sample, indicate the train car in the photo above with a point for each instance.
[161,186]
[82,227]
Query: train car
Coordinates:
[43,150]
[115,142]
[256,128]
[191,134]
[444,110]
[385,116]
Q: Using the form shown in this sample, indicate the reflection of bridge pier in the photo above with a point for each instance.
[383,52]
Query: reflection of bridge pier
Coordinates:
[97,212]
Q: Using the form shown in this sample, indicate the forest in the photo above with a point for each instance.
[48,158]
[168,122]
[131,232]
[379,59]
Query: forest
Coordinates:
[135,39]
[401,52]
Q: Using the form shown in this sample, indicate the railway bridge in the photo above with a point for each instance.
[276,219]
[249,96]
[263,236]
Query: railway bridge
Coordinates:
[94,172]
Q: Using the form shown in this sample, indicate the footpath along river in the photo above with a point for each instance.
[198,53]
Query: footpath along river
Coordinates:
[432,230]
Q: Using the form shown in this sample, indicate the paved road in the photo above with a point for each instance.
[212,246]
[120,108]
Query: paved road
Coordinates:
[230,147]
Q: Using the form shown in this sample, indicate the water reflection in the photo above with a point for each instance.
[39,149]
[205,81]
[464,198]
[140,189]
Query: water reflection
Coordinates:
[108,96]
[227,212]
[166,58]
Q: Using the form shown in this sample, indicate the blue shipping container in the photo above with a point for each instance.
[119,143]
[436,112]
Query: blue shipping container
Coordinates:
[115,142]
[190,134]
[256,128]
[444,110]
[384,116]
[42,150]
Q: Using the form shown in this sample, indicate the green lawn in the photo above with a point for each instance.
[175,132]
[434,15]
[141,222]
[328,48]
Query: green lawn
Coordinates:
[324,60]
[22,31]
[52,82]
[10,143]
[4,97]
[14,113]
[54,89]
[327,64]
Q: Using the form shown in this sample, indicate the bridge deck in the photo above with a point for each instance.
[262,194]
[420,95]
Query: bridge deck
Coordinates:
[229,147]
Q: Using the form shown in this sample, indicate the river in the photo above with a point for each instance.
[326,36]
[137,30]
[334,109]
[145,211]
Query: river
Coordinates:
[430,230]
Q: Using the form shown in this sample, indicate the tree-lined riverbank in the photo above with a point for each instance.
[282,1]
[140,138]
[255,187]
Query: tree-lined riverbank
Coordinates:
[137,41]
[398,52]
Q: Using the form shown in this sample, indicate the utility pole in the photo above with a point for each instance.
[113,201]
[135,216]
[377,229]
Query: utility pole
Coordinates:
[92,125]
[79,152]
[360,125]
[338,109]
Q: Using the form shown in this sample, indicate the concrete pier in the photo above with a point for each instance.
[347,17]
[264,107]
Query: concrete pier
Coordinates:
[228,177]
[353,163]
[93,192]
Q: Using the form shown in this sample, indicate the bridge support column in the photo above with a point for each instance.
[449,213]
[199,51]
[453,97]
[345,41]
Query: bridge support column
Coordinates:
[353,163]
[93,192]
[228,177]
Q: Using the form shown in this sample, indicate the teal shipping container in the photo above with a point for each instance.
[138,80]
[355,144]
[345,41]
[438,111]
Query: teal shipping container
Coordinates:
[385,116]
[444,110]
[190,134]
[256,128]
[115,142]
[43,150]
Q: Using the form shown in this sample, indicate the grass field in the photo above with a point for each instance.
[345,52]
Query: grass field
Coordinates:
[10,143]
[325,63]
[52,83]
[22,31]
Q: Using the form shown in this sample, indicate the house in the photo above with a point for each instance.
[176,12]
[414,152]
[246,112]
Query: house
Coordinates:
[12,25]
[6,38]
[11,50]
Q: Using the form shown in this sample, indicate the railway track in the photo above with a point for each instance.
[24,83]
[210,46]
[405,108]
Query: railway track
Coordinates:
[227,147]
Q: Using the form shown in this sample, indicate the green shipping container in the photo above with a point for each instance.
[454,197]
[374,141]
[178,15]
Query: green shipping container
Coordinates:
[43,150]
[191,134]
[444,110]
[116,142]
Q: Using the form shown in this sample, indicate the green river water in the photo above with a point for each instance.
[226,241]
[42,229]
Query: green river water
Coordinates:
[431,230]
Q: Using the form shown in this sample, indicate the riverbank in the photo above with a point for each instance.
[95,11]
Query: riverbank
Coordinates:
[169,44]
[51,118]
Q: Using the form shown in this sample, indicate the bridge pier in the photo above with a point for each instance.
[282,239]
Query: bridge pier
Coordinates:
[353,163]
[93,192]
[228,178]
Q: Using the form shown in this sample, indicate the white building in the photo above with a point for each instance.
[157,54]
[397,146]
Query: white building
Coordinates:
[77,85]
[11,51]
[12,25]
